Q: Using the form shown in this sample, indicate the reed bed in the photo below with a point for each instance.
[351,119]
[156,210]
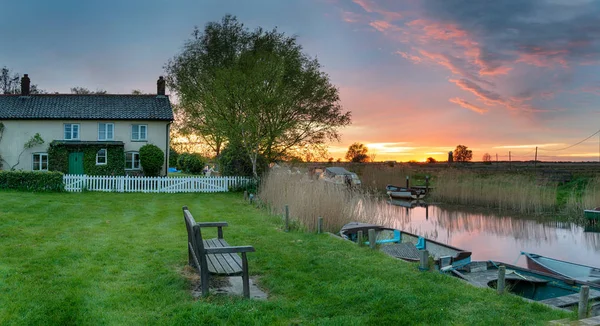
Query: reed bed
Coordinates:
[505,192]
[376,177]
[309,199]
[589,198]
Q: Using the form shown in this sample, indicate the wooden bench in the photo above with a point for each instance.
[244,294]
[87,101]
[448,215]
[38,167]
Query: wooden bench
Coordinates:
[215,256]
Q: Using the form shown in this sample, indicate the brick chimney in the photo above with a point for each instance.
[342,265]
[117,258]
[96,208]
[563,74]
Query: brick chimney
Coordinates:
[25,82]
[160,86]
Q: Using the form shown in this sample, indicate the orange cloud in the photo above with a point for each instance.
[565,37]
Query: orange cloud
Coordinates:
[467,105]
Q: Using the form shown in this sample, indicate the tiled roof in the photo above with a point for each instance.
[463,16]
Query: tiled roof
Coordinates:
[86,107]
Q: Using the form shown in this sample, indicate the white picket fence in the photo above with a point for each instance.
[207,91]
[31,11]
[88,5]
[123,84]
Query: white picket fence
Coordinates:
[77,183]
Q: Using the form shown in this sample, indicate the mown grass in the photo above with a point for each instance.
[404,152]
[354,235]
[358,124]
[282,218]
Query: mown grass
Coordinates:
[114,259]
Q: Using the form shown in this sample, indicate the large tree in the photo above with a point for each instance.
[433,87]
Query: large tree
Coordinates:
[256,89]
[357,152]
[462,154]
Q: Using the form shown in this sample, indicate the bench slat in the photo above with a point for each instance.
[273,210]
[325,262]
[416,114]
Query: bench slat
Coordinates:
[222,263]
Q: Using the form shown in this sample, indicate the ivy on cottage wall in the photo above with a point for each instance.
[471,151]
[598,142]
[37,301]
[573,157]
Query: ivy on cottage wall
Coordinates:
[58,158]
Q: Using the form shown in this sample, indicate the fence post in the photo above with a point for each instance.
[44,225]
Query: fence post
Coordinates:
[501,279]
[584,293]
[372,239]
[319,225]
[360,239]
[287,218]
[424,260]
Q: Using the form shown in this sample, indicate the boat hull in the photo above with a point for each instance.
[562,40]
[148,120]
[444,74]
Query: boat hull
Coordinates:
[404,193]
[581,273]
[591,214]
[406,246]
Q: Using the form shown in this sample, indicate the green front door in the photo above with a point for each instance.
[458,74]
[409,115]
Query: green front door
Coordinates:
[76,163]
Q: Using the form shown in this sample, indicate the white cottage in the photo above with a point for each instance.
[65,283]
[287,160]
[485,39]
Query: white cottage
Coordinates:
[83,134]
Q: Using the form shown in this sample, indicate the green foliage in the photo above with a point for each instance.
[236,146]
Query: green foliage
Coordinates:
[194,163]
[255,88]
[234,161]
[32,181]
[152,159]
[191,163]
[173,156]
[58,158]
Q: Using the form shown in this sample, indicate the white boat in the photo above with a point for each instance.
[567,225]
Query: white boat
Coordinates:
[566,269]
[404,193]
[339,175]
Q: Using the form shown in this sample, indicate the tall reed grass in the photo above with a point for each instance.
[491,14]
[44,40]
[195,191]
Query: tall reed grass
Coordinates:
[514,192]
[310,199]
[589,198]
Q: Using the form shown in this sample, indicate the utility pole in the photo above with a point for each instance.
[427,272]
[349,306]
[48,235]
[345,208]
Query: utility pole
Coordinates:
[509,160]
[496,161]
[535,161]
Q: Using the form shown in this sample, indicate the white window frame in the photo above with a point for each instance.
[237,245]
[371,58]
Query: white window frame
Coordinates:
[105,156]
[70,136]
[139,133]
[134,155]
[104,136]
[41,162]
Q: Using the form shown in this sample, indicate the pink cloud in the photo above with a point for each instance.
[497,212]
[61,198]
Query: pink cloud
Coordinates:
[408,56]
[467,105]
[350,17]
[384,26]
[371,7]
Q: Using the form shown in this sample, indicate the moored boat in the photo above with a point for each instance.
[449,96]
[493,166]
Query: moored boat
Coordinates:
[406,246]
[578,272]
[542,287]
[404,192]
[592,214]
[339,175]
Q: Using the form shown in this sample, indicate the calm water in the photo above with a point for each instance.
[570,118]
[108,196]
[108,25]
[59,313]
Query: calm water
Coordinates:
[500,237]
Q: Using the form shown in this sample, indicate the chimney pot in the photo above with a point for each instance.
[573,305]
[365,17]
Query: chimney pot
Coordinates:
[25,83]
[160,86]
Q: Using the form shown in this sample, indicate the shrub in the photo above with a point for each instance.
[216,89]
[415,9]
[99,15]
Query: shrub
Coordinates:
[194,163]
[32,181]
[173,156]
[152,159]
[181,161]
[234,162]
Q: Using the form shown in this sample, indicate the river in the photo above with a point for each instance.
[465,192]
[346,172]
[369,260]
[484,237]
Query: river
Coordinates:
[500,237]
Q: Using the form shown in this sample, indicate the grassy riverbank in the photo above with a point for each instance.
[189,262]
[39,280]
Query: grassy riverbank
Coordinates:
[96,258]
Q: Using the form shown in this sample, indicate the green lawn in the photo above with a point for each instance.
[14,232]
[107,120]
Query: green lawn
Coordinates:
[95,258]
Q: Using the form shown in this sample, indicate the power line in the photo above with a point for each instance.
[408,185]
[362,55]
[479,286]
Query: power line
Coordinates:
[562,149]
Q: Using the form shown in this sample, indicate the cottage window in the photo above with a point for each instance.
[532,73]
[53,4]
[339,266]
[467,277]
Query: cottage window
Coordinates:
[132,161]
[71,131]
[106,131]
[139,132]
[101,157]
[40,162]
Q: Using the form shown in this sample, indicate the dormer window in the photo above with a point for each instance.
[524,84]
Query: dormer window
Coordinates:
[71,131]
[106,131]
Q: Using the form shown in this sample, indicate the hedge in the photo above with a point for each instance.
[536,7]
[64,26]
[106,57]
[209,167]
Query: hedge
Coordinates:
[32,180]
[58,158]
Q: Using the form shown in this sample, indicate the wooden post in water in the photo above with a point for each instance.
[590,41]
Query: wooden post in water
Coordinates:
[426,184]
[424,260]
[287,218]
[372,239]
[407,182]
[584,293]
[501,279]
[360,239]
[426,211]
[319,225]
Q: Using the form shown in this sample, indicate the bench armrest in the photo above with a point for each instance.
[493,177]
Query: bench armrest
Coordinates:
[229,250]
[211,224]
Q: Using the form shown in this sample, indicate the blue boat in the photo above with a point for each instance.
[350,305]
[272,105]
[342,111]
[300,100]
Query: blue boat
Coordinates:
[406,246]
[538,286]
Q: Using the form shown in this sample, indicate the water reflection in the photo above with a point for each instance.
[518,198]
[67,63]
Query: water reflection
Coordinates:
[495,236]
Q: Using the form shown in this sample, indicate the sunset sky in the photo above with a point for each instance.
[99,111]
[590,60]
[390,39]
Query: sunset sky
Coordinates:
[420,77]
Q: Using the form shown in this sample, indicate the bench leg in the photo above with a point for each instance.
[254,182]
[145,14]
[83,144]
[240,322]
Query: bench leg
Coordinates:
[204,281]
[245,277]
